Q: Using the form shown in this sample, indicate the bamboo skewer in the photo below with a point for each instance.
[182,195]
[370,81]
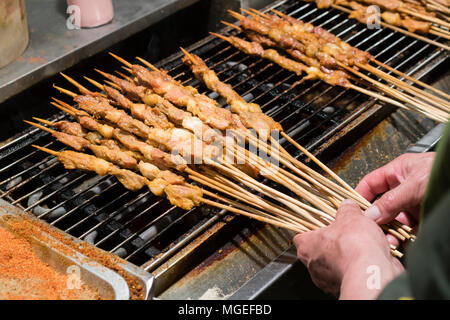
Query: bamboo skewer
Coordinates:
[316,160]
[438,6]
[435,100]
[438,102]
[154,68]
[72,95]
[401,30]
[221,187]
[433,112]
[425,17]
[264,205]
[290,202]
[423,84]
[424,108]
[147,64]
[255,214]
[276,178]
[440,33]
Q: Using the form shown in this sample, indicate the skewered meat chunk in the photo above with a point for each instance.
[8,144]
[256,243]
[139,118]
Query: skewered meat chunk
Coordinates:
[150,116]
[176,115]
[253,48]
[389,5]
[209,77]
[91,124]
[77,143]
[152,172]
[161,159]
[184,142]
[148,170]
[392,18]
[100,107]
[415,25]
[262,123]
[184,196]
[77,160]
[130,180]
[194,124]
[199,105]
[82,161]
[115,156]
[73,128]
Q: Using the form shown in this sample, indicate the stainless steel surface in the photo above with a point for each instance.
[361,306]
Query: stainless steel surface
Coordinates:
[186,251]
[54,253]
[13,30]
[53,47]
[218,10]
[429,141]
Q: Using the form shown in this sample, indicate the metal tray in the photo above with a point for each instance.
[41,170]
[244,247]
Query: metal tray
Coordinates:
[60,257]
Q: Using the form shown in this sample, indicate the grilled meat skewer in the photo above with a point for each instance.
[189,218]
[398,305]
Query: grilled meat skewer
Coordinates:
[174,139]
[254,48]
[185,196]
[176,115]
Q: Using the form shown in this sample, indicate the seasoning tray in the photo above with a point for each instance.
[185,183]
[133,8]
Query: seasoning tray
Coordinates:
[59,256]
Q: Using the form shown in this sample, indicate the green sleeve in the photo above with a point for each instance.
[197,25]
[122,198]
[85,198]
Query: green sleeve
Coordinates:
[427,274]
[427,260]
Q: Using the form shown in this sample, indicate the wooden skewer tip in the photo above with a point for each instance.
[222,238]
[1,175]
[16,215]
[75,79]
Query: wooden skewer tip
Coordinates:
[220,36]
[120,59]
[231,25]
[53,152]
[49,123]
[37,125]
[236,15]
[148,64]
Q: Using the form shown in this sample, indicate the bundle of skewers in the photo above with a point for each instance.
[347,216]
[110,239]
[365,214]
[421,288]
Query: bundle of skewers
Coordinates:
[411,17]
[306,49]
[150,131]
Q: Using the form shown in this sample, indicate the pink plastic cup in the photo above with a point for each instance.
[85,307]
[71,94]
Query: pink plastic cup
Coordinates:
[93,13]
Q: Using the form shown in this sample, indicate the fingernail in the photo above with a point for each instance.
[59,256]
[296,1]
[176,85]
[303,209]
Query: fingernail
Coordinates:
[373,213]
[347,201]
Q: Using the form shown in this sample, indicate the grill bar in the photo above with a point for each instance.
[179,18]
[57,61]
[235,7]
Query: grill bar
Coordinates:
[147,230]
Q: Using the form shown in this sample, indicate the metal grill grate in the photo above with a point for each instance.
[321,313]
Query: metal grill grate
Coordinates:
[147,230]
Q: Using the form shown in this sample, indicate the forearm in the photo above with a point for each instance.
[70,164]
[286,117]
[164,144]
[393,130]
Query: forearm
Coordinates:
[366,278]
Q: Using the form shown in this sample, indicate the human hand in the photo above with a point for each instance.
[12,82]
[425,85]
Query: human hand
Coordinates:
[403,182]
[338,256]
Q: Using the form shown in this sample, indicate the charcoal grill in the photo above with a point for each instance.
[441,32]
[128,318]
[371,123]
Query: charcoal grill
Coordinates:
[178,246]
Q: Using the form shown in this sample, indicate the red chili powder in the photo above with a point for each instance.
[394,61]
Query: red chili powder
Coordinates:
[23,276]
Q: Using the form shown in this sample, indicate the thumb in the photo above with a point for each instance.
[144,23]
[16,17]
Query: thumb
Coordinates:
[347,208]
[391,203]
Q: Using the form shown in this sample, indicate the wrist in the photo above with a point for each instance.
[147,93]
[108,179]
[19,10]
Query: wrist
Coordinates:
[367,275]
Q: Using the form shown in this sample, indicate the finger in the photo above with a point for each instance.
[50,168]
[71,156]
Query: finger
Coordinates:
[406,219]
[301,243]
[378,181]
[390,204]
[347,209]
[392,240]
[298,239]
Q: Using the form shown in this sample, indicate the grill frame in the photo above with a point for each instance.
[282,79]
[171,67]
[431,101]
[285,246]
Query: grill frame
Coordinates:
[182,252]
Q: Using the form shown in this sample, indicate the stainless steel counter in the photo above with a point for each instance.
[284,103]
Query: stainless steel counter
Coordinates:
[53,47]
